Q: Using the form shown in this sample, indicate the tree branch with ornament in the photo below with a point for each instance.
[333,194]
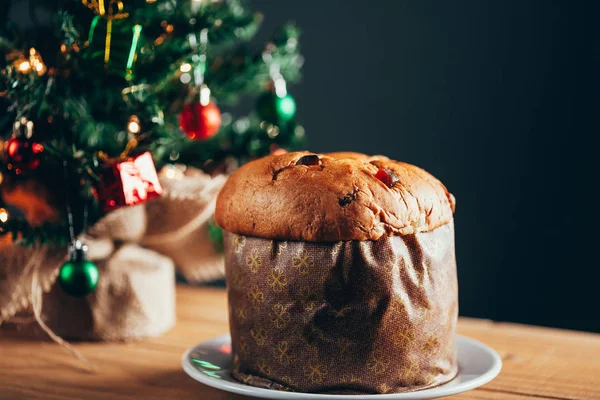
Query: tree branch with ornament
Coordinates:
[97,96]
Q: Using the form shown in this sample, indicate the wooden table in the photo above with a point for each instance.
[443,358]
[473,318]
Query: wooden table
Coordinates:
[539,363]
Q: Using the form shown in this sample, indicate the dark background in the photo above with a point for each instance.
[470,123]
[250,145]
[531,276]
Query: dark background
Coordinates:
[499,100]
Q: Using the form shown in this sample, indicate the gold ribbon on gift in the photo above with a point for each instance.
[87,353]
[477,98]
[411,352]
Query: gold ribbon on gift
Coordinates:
[112,12]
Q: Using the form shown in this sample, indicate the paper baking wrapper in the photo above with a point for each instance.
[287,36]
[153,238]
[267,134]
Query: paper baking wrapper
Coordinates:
[346,317]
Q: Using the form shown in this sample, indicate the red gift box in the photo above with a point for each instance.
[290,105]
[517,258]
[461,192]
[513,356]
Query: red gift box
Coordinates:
[128,183]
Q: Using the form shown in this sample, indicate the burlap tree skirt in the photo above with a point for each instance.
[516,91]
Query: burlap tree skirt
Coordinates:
[135,298]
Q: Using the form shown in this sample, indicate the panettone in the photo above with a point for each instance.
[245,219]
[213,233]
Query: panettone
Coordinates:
[341,274]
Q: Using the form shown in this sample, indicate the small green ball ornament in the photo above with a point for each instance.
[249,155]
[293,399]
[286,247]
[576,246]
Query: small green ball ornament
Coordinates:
[275,109]
[78,277]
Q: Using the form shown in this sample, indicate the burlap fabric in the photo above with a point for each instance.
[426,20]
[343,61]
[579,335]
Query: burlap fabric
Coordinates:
[135,296]
[346,317]
[178,225]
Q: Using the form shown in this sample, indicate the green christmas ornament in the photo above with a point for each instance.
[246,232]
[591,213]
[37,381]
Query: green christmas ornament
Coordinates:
[275,109]
[78,277]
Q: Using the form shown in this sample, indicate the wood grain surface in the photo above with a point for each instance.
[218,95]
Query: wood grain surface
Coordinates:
[539,363]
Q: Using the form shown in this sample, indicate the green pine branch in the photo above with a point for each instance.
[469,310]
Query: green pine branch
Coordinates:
[82,104]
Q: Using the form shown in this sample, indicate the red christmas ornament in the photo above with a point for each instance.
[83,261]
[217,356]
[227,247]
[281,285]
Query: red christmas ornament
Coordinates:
[22,154]
[128,183]
[387,176]
[200,122]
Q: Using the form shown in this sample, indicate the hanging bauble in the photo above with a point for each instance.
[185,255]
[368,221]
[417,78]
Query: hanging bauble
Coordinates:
[200,122]
[78,277]
[22,154]
[276,109]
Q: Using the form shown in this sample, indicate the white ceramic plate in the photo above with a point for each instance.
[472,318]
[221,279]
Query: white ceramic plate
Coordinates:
[210,364]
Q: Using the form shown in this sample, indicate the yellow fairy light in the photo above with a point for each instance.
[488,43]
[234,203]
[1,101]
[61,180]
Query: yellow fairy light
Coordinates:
[24,66]
[133,126]
[185,67]
[272,131]
[3,215]
[33,63]
[36,62]
[173,172]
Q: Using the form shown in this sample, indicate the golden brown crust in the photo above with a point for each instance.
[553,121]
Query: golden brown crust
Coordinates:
[339,199]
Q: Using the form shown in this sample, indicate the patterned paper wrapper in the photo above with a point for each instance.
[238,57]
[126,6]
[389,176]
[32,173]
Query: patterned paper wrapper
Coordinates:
[346,317]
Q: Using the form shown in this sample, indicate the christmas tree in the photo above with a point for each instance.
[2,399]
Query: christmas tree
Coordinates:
[96,96]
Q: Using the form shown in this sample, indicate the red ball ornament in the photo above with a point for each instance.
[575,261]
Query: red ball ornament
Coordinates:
[200,122]
[22,154]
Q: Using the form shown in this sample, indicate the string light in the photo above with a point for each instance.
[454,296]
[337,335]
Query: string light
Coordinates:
[168,29]
[133,126]
[204,95]
[272,131]
[24,67]
[185,67]
[185,78]
[299,131]
[3,215]
[23,127]
[34,63]
[173,171]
